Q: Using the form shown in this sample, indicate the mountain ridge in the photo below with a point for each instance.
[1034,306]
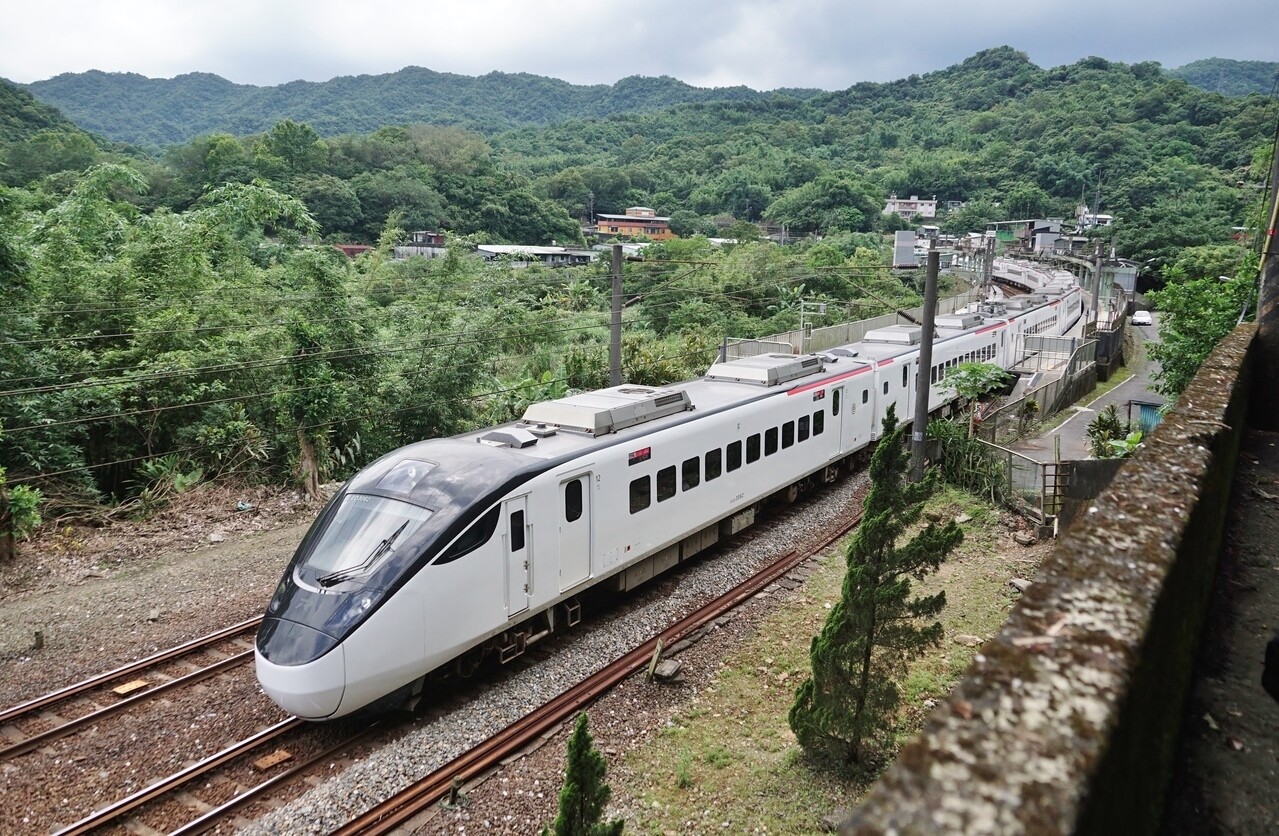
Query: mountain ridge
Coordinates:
[129,107]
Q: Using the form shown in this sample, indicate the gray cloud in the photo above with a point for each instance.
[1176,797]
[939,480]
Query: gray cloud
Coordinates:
[760,43]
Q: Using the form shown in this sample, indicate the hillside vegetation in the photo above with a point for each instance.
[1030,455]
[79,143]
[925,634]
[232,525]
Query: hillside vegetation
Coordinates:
[158,112]
[1229,77]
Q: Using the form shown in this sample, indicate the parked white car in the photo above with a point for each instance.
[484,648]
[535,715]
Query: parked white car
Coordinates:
[1142,318]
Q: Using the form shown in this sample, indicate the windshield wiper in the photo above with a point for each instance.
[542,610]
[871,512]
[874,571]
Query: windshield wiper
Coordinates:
[378,550]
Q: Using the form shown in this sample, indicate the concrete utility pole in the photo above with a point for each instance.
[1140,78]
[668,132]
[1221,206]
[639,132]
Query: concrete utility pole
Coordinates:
[1096,293]
[615,323]
[923,374]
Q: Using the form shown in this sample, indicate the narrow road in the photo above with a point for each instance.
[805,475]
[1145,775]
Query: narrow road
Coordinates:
[1073,431]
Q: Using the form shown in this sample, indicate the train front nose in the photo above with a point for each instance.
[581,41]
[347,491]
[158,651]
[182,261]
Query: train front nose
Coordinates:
[294,676]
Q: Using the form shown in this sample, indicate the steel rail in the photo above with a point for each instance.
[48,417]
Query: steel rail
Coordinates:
[212,818]
[37,740]
[115,811]
[398,809]
[22,709]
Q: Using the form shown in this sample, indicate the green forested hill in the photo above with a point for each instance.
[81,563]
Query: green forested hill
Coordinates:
[128,107]
[1009,138]
[1229,77]
[996,132]
[21,116]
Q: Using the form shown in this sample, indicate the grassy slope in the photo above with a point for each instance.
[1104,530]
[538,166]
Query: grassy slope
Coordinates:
[730,756]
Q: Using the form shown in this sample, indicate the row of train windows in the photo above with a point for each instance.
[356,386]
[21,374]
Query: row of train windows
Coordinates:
[1041,327]
[719,461]
[983,355]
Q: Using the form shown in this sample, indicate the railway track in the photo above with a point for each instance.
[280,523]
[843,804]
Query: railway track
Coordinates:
[400,809]
[229,781]
[37,722]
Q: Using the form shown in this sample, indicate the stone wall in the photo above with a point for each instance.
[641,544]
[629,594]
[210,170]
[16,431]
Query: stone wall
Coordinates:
[1068,719]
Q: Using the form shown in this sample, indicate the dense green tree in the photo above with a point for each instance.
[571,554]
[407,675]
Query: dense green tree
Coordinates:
[287,150]
[585,792]
[48,152]
[847,705]
[332,202]
[1196,311]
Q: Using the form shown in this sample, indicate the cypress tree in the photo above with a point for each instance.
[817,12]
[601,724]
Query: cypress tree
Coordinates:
[585,792]
[874,629]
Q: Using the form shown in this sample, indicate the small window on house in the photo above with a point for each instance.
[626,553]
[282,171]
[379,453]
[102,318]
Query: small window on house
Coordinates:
[752,448]
[770,441]
[803,428]
[573,500]
[734,455]
[517,531]
[641,493]
[819,422]
[665,483]
[714,463]
[788,434]
[690,473]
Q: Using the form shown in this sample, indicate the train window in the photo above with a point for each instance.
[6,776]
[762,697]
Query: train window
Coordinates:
[885,387]
[573,500]
[715,463]
[517,531]
[788,434]
[865,396]
[770,441]
[803,428]
[474,537]
[734,455]
[834,404]
[752,448]
[691,473]
[641,494]
[905,375]
[665,483]
[819,422]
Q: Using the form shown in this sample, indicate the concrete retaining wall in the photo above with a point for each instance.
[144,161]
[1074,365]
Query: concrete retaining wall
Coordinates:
[1068,719]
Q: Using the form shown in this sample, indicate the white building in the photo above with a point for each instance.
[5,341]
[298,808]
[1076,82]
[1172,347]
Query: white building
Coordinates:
[907,209]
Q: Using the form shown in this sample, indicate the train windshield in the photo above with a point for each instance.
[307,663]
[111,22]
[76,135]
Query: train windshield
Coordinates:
[363,531]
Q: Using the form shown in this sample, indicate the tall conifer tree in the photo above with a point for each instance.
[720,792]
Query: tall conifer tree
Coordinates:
[585,792]
[874,629]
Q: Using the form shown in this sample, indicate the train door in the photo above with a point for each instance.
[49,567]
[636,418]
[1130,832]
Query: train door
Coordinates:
[575,531]
[837,410]
[519,554]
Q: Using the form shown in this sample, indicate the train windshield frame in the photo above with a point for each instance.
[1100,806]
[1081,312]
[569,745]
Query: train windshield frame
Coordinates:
[363,530]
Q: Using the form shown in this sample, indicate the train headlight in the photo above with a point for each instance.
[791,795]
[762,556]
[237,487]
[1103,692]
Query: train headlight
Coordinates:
[366,602]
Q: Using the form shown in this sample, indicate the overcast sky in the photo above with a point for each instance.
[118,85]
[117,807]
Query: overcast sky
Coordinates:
[763,44]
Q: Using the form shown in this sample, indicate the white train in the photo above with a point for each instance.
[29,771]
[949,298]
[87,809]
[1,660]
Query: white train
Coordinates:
[449,548]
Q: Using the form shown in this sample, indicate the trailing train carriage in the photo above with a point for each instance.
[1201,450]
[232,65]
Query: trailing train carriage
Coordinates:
[450,547]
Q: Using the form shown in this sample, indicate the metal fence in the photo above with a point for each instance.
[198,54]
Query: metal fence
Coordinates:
[1015,418]
[1029,486]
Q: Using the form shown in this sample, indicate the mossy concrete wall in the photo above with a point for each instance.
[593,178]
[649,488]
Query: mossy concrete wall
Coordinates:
[1067,721]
